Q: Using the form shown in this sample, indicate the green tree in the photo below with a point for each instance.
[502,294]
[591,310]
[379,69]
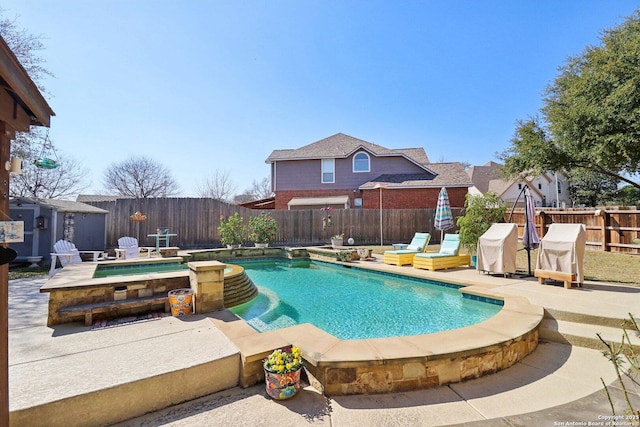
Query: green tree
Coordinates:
[591,114]
[480,211]
[629,196]
[592,189]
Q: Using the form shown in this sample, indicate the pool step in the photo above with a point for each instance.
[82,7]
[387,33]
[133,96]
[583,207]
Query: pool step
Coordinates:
[583,334]
[280,322]
[238,290]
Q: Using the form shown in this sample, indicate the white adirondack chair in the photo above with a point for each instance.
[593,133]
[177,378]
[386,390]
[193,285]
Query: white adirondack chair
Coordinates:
[128,248]
[67,253]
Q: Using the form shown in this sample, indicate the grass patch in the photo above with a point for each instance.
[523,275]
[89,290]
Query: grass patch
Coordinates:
[23,272]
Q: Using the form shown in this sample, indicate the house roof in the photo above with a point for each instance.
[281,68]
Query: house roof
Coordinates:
[445,175]
[487,178]
[342,146]
[60,205]
[481,176]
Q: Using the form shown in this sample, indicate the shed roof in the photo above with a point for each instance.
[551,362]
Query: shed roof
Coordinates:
[60,205]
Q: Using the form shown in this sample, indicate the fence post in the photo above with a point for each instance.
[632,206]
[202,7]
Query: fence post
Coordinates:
[543,223]
[604,224]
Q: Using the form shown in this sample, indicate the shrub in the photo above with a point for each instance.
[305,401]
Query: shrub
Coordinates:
[232,230]
[262,228]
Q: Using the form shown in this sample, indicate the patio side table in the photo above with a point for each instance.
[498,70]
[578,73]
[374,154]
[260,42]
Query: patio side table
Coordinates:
[161,238]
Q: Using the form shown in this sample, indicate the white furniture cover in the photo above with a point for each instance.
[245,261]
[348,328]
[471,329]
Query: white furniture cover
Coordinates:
[497,249]
[562,249]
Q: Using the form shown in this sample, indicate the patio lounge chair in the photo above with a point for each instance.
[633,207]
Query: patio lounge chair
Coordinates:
[447,257]
[67,253]
[128,248]
[404,256]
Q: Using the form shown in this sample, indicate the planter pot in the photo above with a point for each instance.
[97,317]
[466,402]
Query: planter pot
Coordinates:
[282,386]
[233,246]
[262,245]
[336,242]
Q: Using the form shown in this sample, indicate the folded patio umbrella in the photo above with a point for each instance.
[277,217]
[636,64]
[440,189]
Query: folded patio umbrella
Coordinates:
[444,219]
[530,238]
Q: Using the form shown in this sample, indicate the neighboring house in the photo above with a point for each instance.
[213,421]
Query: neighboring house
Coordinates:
[48,220]
[548,189]
[343,172]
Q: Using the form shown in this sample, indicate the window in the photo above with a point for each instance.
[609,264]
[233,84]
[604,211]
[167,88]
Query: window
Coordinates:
[559,187]
[361,162]
[357,202]
[519,186]
[539,186]
[328,171]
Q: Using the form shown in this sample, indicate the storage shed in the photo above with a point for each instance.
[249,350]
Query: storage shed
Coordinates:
[48,220]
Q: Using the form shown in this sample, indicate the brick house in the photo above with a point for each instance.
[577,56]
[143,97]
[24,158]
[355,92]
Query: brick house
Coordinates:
[343,172]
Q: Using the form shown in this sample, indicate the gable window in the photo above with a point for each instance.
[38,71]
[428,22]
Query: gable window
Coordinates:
[361,162]
[328,171]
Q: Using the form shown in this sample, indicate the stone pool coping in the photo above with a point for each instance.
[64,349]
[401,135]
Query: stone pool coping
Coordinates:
[339,367]
[80,275]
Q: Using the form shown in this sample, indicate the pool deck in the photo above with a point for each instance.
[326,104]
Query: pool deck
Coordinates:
[50,366]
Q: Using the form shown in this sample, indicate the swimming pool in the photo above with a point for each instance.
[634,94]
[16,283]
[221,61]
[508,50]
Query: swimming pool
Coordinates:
[354,303]
[107,270]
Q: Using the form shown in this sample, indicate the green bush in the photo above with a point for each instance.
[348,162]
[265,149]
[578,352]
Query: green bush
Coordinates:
[480,211]
[262,228]
[232,230]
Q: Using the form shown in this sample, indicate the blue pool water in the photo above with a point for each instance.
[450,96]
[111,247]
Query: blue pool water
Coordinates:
[354,303]
[138,268]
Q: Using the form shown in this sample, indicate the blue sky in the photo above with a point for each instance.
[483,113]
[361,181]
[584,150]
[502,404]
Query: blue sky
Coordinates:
[201,86]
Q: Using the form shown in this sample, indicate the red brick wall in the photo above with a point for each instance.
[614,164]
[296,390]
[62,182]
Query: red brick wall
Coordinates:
[417,198]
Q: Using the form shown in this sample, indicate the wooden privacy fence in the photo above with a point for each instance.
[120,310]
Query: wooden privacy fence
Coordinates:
[611,230]
[196,221]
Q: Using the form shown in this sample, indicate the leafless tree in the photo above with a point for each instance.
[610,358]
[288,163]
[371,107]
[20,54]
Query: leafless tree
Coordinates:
[63,182]
[139,177]
[218,186]
[68,178]
[261,189]
[24,46]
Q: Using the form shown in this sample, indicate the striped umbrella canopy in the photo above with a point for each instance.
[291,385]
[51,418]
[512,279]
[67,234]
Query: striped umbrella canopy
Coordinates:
[444,219]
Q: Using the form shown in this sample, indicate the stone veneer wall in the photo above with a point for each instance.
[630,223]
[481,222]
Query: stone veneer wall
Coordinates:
[343,378]
[95,294]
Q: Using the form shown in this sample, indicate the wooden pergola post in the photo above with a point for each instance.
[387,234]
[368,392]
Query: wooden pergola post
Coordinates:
[21,106]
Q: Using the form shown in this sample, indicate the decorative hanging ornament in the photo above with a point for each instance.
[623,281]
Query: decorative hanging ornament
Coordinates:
[138,217]
[46,160]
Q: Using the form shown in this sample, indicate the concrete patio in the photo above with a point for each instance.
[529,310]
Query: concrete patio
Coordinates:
[58,373]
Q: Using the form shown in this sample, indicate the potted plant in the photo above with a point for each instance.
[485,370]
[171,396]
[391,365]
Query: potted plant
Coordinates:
[262,229]
[337,240]
[282,372]
[232,230]
[480,211]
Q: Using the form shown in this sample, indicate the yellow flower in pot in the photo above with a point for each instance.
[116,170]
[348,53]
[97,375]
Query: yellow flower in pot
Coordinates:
[282,372]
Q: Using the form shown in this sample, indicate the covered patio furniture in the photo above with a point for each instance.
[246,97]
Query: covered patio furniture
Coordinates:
[561,254]
[497,249]
[447,257]
[405,255]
